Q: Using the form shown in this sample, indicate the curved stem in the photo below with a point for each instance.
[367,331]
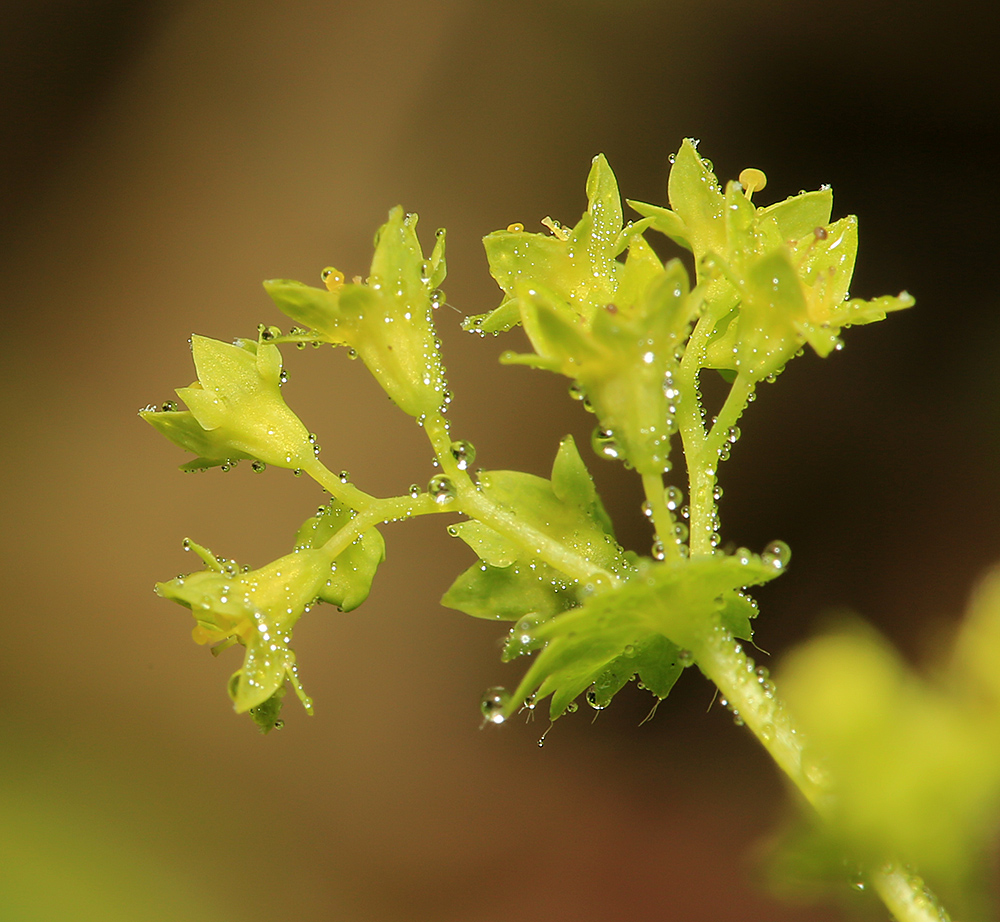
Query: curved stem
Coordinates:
[751,695]
[473,502]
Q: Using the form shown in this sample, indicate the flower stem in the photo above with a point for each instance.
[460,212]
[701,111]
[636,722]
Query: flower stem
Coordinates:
[663,519]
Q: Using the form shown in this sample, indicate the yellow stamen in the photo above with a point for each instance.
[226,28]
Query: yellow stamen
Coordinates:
[752,179]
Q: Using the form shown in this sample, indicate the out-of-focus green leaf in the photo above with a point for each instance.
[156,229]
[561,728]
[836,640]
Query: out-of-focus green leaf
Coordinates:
[915,766]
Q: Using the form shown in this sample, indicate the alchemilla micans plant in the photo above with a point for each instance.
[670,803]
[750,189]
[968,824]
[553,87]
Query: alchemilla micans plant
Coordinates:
[896,773]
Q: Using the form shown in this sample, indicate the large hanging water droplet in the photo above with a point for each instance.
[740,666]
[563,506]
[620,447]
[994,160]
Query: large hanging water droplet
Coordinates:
[492,704]
[776,555]
[604,444]
[257,466]
[442,489]
[592,700]
[464,453]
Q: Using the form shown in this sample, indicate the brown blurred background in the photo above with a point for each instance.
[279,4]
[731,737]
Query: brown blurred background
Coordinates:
[161,157]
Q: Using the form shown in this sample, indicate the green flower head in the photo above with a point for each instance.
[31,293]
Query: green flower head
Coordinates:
[615,327]
[235,408]
[386,319]
[256,608]
[777,276]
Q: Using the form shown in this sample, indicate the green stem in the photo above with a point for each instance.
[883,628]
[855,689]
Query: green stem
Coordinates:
[663,519]
[704,463]
[473,502]
[751,695]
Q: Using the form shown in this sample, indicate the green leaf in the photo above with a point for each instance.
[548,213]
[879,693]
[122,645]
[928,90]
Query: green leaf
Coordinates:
[351,574]
[605,210]
[508,582]
[491,547]
[509,593]
[572,484]
[680,602]
[656,661]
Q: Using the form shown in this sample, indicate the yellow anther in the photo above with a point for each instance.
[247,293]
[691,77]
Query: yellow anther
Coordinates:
[752,179]
[515,228]
[332,278]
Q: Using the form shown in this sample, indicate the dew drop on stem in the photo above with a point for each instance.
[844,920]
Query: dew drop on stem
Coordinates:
[464,453]
[442,489]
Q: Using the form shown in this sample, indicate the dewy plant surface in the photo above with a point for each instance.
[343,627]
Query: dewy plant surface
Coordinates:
[633,335]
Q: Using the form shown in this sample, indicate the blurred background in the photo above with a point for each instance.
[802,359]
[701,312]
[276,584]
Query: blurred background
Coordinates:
[161,157]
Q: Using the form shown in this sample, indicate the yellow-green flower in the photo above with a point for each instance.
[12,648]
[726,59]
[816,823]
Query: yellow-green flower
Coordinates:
[256,608]
[235,408]
[774,278]
[386,319]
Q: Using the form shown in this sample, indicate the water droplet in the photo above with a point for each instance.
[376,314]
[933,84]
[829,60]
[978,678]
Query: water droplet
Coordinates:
[776,555]
[658,551]
[576,392]
[186,544]
[464,453]
[257,466]
[345,476]
[169,406]
[414,491]
[492,704]
[442,489]
[516,227]
[604,444]
[278,724]
[591,696]
[673,497]
[647,509]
